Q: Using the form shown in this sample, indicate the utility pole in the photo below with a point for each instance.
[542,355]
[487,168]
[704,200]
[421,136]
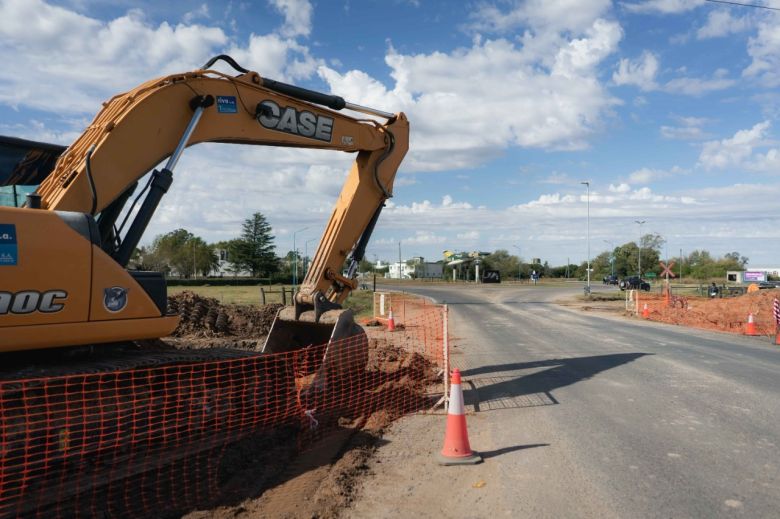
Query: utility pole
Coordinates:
[587,185]
[399,260]
[639,245]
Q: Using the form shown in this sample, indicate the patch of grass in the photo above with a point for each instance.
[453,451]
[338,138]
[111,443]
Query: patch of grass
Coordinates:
[241,295]
[361,302]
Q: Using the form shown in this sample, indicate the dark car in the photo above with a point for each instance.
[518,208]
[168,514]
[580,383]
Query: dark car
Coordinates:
[610,280]
[634,283]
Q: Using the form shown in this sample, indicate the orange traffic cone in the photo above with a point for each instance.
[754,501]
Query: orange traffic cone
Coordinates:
[457,450]
[750,327]
[645,312]
[390,321]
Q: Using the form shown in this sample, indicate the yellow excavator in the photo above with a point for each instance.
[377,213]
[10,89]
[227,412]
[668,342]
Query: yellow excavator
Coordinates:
[63,255]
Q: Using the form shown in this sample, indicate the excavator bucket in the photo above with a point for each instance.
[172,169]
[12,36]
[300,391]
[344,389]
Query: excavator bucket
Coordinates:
[347,343]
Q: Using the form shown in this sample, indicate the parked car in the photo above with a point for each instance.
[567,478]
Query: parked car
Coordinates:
[610,280]
[634,283]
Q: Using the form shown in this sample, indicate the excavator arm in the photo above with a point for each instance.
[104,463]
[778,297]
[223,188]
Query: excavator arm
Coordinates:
[138,130]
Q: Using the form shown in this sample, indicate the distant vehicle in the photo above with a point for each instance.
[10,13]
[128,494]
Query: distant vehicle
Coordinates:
[768,284]
[634,283]
[610,280]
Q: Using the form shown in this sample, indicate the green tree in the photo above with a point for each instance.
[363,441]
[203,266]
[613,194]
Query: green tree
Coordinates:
[365,266]
[170,251]
[507,264]
[255,248]
[204,258]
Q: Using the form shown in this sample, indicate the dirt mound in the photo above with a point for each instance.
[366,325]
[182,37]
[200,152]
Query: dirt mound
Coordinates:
[207,317]
[320,480]
[726,315]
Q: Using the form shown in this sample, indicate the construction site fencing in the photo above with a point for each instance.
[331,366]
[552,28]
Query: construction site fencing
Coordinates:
[159,441]
[729,314]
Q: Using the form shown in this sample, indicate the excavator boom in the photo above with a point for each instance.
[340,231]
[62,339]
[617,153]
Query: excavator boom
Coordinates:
[68,284]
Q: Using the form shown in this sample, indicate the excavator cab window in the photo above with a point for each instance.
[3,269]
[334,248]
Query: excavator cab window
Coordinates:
[23,165]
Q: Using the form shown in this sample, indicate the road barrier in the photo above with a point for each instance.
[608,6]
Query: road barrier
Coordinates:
[162,440]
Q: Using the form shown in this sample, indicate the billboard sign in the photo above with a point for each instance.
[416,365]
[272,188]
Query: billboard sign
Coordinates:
[754,275]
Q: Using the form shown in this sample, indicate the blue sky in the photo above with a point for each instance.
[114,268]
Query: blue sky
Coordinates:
[669,108]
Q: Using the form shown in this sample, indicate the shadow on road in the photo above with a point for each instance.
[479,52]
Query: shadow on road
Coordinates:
[560,373]
[505,450]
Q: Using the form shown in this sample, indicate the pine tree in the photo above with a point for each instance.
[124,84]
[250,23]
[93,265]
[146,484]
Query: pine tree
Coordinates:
[255,250]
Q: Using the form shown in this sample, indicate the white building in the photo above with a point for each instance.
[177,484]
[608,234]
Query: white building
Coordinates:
[224,267]
[415,268]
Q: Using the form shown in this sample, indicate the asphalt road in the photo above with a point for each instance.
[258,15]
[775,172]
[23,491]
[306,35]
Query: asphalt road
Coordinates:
[581,415]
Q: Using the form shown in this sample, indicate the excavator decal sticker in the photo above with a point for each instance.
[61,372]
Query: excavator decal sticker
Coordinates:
[9,253]
[28,301]
[115,299]
[289,120]
[226,105]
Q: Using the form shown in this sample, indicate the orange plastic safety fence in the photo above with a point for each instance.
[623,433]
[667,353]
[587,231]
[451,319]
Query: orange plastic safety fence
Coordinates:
[722,314]
[147,442]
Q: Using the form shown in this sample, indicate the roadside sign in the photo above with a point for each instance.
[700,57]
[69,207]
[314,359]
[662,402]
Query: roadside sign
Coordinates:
[649,274]
[667,270]
[754,276]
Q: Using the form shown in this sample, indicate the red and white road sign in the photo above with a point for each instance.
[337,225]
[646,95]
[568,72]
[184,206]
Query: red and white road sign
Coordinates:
[667,271]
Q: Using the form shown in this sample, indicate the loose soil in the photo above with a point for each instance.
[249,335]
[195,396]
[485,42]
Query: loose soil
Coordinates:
[290,472]
[729,314]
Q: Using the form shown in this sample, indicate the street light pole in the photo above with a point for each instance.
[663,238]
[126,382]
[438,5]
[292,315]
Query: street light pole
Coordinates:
[295,259]
[587,185]
[639,246]
[519,263]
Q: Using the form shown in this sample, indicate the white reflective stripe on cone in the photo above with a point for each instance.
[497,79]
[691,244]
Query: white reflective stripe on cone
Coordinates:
[456,400]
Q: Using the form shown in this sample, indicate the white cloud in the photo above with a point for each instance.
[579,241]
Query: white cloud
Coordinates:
[663,6]
[620,188]
[60,61]
[734,151]
[764,51]
[640,72]
[689,128]
[697,86]
[297,17]
[721,23]
[553,106]
[202,12]
[648,175]
[560,15]
[468,235]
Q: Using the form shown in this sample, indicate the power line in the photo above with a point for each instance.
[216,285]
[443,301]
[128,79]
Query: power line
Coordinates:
[744,5]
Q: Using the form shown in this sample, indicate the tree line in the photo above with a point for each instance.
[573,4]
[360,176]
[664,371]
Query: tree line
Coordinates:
[623,261]
[182,253]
